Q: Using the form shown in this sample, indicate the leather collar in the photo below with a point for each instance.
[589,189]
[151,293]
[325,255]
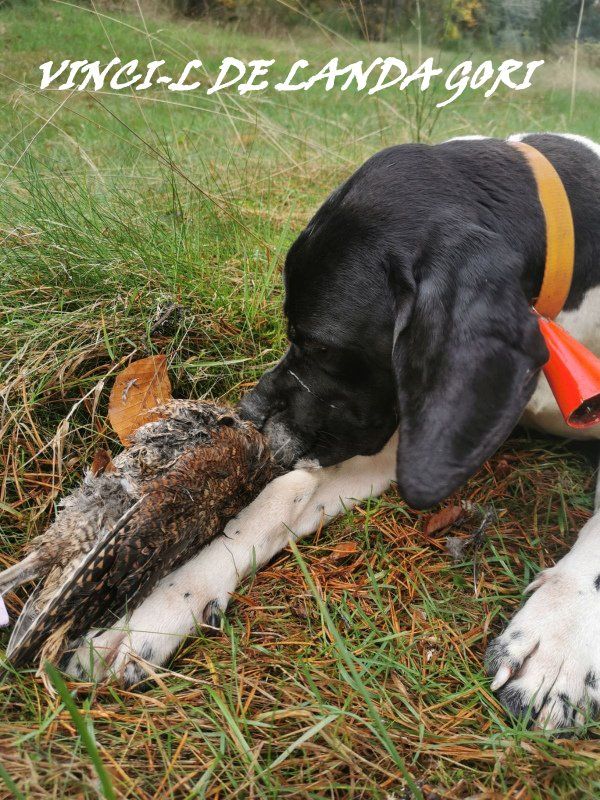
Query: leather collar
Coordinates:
[560,234]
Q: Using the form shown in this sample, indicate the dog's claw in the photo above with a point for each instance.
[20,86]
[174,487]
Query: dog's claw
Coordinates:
[212,614]
[504,674]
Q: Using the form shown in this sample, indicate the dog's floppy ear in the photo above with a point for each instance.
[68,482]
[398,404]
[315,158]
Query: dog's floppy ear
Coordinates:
[466,360]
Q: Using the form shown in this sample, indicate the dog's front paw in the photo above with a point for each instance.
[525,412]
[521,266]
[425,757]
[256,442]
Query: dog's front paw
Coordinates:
[121,653]
[138,655]
[96,653]
[128,653]
[546,664]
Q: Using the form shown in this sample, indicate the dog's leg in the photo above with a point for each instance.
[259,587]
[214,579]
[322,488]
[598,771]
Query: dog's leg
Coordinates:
[547,661]
[197,593]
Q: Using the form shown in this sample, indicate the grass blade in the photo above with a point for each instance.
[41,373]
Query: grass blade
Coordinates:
[10,784]
[84,730]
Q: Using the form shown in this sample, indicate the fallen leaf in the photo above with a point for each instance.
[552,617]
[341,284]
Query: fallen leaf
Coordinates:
[299,608]
[502,468]
[399,684]
[102,462]
[128,385]
[343,549]
[443,519]
[136,391]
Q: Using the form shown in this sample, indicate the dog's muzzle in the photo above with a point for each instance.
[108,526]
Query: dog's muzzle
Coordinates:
[286,446]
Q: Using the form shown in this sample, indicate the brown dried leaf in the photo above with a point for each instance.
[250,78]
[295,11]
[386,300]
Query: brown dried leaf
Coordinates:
[443,519]
[502,468]
[343,549]
[102,462]
[136,391]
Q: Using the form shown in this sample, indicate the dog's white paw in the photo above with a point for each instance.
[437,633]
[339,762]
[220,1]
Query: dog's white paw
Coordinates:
[131,650]
[94,656]
[120,653]
[546,664]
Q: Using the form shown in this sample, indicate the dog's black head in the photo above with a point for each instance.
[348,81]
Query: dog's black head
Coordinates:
[332,395]
[400,316]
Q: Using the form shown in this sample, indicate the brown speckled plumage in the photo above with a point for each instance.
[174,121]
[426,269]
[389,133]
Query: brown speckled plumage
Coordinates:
[122,530]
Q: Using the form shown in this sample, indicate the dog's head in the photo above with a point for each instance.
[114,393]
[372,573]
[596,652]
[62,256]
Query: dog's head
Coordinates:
[425,328]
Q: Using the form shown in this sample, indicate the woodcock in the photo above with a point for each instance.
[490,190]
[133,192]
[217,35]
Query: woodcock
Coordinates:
[133,521]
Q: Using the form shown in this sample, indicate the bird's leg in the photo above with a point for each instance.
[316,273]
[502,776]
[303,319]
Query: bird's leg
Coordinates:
[197,593]
[26,570]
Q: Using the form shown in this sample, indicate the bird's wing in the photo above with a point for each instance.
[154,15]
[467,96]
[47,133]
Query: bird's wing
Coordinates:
[31,631]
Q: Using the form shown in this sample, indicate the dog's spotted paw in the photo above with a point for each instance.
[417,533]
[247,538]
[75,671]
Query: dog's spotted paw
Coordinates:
[135,659]
[546,664]
[131,651]
[124,654]
[94,656]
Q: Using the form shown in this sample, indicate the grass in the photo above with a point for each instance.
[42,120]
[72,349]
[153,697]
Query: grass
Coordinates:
[361,652]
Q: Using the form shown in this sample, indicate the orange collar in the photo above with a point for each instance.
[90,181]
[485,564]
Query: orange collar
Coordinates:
[560,234]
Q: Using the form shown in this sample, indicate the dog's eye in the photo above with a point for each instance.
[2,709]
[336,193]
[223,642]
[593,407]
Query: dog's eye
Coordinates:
[302,344]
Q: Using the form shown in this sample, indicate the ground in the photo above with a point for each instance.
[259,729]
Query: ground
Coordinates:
[360,658]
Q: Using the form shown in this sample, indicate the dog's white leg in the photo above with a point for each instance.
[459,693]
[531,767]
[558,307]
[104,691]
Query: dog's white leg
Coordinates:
[197,593]
[547,661]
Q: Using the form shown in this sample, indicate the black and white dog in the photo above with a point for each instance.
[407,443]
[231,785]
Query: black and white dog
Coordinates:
[413,353]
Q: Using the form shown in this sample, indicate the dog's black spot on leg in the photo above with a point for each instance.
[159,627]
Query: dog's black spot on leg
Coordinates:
[172,583]
[516,634]
[513,700]
[146,652]
[79,671]
[135,675]
[597,582]
[591,680]
[212,614]
[568,710]
[187,594]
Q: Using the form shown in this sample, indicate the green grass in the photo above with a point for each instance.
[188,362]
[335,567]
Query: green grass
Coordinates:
[332,673]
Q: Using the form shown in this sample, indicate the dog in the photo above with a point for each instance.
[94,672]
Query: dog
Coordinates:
[413,352]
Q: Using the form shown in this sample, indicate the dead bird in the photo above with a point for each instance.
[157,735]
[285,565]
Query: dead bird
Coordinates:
[133,521]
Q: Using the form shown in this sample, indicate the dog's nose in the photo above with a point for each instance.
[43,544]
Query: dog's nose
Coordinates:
[284,446]
[254,408]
